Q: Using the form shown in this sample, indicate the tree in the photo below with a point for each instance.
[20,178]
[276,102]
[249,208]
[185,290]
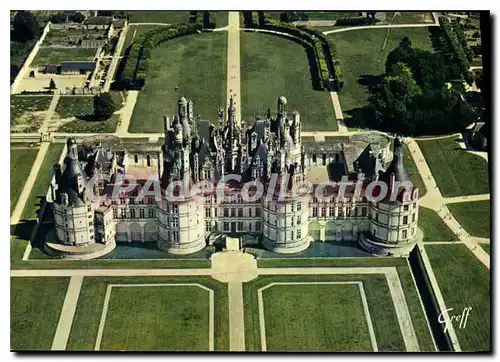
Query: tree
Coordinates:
[284,18]
[58,18]
[25,26]
[104,106]
[77,17]
[206,20]
[52,84]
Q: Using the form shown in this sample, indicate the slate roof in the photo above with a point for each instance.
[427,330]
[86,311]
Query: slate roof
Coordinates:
[72,65]
[99,20]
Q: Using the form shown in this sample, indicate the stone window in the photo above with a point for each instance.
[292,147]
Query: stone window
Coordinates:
[405,234]
[364,211]
[258,226]
[323,211]
[405,220]
[240,226]
[257,212]
[292,205]
[208,227]
[315,212]
[136,158]
[226,226]
[413,217]
[132,213]
[299,233]
[331,211]
[175,222]
[90,223]
[131,201]
[148,160]
[240,212]
[226,212]
[291,221]
[406,207]
[376,216]
[249,212]
[299,219]
[151,213]
[141,213]
[122,213]
[175,209]
[291,235]
[299,206]
[233,212]
[175,236]
[115,213]
[207,212]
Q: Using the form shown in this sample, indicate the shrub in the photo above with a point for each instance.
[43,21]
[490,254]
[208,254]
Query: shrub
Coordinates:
[104,106]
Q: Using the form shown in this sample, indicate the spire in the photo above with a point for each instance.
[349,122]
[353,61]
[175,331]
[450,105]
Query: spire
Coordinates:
[231,110]
[396,167]
[72,149]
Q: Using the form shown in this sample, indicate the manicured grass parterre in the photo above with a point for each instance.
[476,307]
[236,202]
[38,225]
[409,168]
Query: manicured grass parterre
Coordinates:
[27,112]
[35,306]
[158,16]
[41,185]
[133,321]
[433,226]
[197,65]
[21,161]
[456,171]
[296,322]
[362,55]
[272,66]
[150,318]
[464,282]
[55,56]
[420,324]
[473,216]
[386,328]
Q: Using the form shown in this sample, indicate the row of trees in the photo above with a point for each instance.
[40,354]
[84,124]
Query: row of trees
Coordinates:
[413,98]
[202,18]
[137,57]
[61,17]
[457,49]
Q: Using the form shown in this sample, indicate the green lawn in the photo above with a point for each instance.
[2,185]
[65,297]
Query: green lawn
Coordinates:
[297,322]
[42,182]
[411,294]
[80,126]
[28,112]
[57,55]
[486,248]
[157,16]
[303,318]
[75,106]
[433,226]
[272,66]
[150,318]
[456,171]
[362,55]
[473,216]
[35,306]
[21,161]
[197,65]
[464,282]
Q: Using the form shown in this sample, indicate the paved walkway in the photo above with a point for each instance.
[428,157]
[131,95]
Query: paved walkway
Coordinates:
[419,25]
[116,59]
[28,185]
[67,314]
[236,317]
[126,114]
[339,115]
[434,200]
[233,62]
[50,113]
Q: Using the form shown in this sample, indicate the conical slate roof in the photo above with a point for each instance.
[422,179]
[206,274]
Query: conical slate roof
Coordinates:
[396,167]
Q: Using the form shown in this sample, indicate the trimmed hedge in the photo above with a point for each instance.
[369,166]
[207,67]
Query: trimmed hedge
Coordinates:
[133,75]
[457,49]
[356,21]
